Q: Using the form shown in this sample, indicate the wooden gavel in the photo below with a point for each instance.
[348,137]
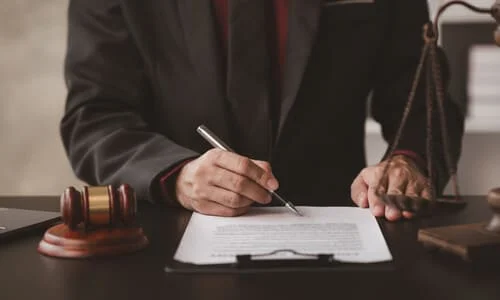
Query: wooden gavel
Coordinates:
[97,221]
[98,206]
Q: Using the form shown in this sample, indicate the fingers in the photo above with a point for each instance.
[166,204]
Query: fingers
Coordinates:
[392,213]
[401,179]
[359,191]
[244,166]
[397,182]
[426,192]
[224,183]
[413,189]
[376,186]
[364,190]
[417,188]
[267,167]
[222,196]
[217,209]
[407,214]
[263,165]
[238,185]
[397,185]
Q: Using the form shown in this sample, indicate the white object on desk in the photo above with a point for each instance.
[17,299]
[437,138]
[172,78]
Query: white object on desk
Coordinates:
[352,234]
[484,79]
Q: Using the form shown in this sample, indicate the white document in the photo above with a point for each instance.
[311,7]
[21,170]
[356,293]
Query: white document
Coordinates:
[352,234]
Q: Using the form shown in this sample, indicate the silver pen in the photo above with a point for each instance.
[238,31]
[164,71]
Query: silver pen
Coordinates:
[210,137]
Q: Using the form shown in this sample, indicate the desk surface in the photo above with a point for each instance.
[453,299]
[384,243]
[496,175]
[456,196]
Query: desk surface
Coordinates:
[417,273]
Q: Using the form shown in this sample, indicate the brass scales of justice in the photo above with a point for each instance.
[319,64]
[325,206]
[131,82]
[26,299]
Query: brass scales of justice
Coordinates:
[476,243]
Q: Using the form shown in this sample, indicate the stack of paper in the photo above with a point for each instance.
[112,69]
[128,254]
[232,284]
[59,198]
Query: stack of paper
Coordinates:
[351,234]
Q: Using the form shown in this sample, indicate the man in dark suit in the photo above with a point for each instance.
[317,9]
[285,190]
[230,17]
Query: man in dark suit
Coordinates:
[284,82]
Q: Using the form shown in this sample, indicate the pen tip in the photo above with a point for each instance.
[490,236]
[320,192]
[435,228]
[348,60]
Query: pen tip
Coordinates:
[297,212]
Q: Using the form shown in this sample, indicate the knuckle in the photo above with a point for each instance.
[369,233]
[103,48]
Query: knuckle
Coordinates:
[244,165]
[198,191]
[398,172]
[207,156]
[361,177]
[426,188]
[265,165]
[232,200]
[213,154]
[380,190]
[261,176]
[378,184]
[376,174]
[199,171]
[198,206]
[414,186]
[395,191]
[238,183]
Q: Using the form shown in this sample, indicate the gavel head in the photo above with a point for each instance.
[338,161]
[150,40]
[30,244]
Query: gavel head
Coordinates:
[98,206]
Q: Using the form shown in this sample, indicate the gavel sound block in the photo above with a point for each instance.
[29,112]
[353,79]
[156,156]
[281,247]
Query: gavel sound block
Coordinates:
[98,221]
[478,242]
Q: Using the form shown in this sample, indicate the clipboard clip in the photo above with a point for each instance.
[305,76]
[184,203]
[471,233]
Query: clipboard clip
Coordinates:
[284,258]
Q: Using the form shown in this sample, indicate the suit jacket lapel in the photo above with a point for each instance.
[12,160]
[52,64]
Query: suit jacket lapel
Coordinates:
[303,19]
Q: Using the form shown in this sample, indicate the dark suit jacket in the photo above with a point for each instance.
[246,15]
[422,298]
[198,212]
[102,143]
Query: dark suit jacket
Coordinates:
[142,75]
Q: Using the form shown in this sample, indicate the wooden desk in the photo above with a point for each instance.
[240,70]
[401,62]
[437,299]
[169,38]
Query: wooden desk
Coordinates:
[417,274]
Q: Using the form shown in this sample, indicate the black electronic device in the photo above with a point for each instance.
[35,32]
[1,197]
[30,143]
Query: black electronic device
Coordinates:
[17,222]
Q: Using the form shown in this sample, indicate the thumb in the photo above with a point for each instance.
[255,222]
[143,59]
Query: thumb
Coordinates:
[359,190]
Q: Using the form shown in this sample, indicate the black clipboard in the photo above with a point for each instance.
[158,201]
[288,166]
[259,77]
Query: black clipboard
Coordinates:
[257,263]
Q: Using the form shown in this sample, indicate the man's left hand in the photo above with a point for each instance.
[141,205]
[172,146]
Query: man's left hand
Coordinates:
[403,178]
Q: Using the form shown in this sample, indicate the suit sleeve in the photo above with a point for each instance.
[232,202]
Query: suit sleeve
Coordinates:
[400,57]
[104,129]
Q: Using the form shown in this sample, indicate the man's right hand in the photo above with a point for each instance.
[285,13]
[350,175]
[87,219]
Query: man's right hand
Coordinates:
[223,183]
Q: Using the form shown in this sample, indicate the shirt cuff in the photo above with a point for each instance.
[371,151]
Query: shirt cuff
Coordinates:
[167,182]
